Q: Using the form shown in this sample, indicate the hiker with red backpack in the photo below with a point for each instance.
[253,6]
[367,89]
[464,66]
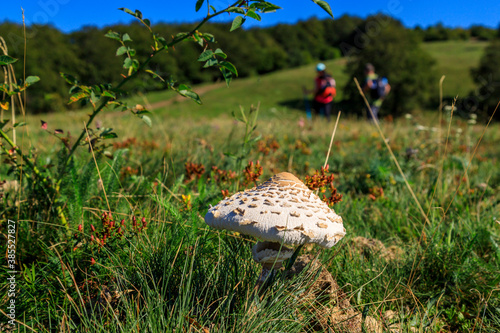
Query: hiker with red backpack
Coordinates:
[324,92]
[376,89]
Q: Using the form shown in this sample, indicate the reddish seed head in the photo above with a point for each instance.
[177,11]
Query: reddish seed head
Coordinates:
[144,222]
[91,238]
[123,222]
[134,222]
[92,261]
[119,231]
[112,224]
[92,227]
[80,228]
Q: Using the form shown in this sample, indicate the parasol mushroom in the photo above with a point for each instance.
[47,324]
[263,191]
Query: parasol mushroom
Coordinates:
[281,211]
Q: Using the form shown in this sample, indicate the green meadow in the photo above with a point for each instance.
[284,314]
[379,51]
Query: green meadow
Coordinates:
[420,204]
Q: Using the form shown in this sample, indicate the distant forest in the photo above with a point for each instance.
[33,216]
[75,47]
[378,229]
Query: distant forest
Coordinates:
[91,58]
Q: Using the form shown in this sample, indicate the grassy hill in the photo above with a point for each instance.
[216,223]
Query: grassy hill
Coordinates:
[455,59]
[283,90]
[278,93]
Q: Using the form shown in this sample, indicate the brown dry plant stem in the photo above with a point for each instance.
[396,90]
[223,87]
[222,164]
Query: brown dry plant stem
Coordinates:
[331,140]
[442,156]
[391,152]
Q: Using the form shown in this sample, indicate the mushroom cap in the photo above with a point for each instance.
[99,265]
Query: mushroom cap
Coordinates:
[281,210]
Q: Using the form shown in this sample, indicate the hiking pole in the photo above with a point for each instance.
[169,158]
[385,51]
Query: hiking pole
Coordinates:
[307,104]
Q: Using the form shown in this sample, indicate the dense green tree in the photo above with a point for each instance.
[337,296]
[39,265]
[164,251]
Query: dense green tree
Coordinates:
[436,33]
[48,52]
[487,78]
[482,33]
[396,54]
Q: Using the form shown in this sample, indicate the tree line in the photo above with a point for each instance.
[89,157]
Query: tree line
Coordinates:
[91,57]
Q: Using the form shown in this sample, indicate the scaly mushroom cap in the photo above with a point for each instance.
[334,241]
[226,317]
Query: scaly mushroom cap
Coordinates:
[281,209]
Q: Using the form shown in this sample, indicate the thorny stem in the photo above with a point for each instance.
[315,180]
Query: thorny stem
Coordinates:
[102,105]
[105,99]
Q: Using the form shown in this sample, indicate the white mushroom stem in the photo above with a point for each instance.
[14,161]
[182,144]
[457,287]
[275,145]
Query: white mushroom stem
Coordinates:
[264,274]
[271,256]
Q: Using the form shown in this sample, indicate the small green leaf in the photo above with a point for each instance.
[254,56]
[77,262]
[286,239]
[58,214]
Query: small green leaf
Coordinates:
[229,66]
[20,124]
[237,22]
[325,6]
[228,76]
[93,97]
[7,60]
[147,22]
[127,63]
[147,120]
[206,55]
[128,11]
[209,37]
[199,3]
[264,6]
[31,80]
[190,94]
[138,14]
[213,9]
[237,10]
[111,135]
[126,38]
[69,78]
[109,94]
[253,15]
[76,97]
[221,54]
[135,64]
[113,35]
[121,50]
[180,35]
[163,42]
[210,63]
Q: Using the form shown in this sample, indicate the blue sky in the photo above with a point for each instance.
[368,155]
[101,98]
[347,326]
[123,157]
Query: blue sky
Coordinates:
[69,15]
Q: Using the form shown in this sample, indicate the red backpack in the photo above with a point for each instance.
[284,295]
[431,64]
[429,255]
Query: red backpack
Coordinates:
[326,87]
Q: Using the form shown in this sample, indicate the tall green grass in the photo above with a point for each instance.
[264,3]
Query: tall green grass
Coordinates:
[178,274]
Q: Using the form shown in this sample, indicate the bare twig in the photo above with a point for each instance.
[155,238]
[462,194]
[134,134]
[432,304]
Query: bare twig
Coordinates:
[391,152]
[331,140]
